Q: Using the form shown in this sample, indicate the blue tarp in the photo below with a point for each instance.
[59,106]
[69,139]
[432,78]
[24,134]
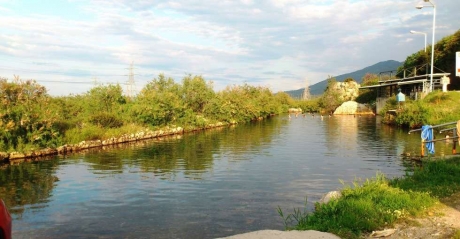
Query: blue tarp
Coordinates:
[427,135]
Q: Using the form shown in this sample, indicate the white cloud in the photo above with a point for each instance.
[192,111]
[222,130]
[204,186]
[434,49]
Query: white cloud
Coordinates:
[227,41]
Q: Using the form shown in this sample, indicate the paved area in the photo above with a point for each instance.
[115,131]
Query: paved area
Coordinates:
[273,234]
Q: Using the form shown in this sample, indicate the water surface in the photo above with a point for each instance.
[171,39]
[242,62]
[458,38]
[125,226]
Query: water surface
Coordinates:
[207,184]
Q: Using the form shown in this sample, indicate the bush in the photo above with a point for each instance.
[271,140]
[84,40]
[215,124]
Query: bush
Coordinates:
[26,120]
[87,132]
[106,120]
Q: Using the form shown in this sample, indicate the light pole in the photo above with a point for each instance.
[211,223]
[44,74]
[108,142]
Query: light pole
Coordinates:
[415,32]
[432,40]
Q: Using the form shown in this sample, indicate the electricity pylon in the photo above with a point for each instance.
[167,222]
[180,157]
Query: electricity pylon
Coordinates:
[130,85]
[306,93]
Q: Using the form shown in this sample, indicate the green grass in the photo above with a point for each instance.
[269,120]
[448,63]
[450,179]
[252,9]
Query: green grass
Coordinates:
[438,178]
[94,132]
[436,108]
[379,202]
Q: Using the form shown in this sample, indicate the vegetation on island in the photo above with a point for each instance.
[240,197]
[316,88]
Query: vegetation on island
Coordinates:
[31,119]
[380,202]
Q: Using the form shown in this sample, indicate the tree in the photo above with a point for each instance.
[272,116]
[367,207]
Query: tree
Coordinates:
[25,115]
[330,99]
[196,93]
[444,59]
[368,96]
[105,97]
[159,102]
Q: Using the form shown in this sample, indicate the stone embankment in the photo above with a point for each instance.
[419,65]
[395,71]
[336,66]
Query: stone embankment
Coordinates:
[88,144]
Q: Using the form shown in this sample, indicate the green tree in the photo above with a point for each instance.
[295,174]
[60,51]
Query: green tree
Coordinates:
[444,59]
[104,103]
[25,116]
[368,96]
[330,99]
[159,102]
[197,93]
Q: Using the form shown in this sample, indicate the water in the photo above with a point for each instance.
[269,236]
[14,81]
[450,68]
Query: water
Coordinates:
[208,184]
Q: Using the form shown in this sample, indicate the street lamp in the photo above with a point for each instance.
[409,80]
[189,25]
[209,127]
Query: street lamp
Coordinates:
[415,32]
[432,40]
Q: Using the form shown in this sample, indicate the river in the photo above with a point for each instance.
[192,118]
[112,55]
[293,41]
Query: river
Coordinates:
[207,184]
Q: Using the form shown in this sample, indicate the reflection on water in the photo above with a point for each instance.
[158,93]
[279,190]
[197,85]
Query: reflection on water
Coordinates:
[202,185]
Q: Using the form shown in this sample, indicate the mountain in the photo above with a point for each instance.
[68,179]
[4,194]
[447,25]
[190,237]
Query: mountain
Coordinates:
[318,88]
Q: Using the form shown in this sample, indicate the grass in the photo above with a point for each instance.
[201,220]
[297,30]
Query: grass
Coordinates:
[456,235]
[93,132]
[436,108]
[438,178]
[379,202]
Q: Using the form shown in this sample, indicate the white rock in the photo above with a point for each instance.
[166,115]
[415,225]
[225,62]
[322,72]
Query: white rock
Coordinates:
[330,195]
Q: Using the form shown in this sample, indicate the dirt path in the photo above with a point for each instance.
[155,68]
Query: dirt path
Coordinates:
[442,221]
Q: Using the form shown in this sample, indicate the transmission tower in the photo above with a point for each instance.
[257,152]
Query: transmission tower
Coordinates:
[95,81]
[130,86]
[306,93]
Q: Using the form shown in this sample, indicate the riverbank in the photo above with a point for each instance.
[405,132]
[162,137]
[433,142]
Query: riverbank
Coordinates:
[16,157]
[380,203]
[30,119]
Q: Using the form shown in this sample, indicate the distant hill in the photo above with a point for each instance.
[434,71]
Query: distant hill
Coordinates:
[318,88]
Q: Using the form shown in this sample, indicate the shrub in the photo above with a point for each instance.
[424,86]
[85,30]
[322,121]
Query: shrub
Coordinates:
[106,120]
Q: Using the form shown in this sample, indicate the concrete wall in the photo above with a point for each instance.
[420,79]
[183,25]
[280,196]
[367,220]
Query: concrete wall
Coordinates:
[380,103]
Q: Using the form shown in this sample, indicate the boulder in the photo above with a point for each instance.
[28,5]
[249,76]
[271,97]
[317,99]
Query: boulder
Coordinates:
[347,90]
[330,195]
[16,155]
[353,107]
[295,110]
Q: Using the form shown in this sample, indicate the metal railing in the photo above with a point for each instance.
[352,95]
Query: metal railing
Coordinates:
[454,137]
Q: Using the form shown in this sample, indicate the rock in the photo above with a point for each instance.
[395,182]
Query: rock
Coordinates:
[295,110]
[3,156]
[29,154]
[62,149]
[48,151]
[16,155]
[351,108]
[384,233]
[330,195]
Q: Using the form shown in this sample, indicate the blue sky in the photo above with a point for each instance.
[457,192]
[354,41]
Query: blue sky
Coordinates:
[67,45]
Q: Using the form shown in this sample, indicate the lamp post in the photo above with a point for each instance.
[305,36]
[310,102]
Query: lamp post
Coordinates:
[423,33]
[415,32]
[432,40]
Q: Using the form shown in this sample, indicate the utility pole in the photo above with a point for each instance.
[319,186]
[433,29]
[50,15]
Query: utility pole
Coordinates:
[130,84]
[306,93]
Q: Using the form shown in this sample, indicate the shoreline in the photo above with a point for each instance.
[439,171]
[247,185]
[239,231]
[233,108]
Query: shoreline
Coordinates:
[34,155]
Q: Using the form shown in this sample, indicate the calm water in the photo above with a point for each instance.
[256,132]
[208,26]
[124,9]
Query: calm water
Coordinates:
[203,185]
